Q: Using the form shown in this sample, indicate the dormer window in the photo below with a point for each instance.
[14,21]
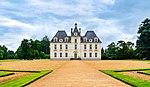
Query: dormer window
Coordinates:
[66,39]
[95,39]
[55,39]
[60,40]
[85,39]
[90,40]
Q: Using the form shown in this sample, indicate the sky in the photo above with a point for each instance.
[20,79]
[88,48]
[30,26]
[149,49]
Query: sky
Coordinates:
[112,20]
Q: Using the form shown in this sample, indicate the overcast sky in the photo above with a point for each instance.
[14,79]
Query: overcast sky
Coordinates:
[112,20]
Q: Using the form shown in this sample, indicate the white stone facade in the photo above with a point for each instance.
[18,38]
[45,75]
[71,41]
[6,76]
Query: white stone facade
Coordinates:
[75,46]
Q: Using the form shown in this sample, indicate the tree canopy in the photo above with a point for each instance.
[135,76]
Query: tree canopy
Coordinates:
[30,49]
[143,42]
[119,50]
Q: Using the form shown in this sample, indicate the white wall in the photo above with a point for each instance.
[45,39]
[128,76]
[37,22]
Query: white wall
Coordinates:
[71,49]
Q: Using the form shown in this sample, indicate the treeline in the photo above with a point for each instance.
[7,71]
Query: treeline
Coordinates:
[120,50]
[28,50]
[127,50]
[5,53]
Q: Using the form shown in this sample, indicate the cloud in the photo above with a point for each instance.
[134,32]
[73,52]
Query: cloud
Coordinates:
[14,23]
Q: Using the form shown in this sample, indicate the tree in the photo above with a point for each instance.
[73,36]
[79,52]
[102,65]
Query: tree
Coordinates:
[121,50]
[10,54]
[1,54]
[111,51]
[23,50]
[30,49]
[45,43]
[103,54]
[34,54]
[143,42]
[125,50]
[4,49]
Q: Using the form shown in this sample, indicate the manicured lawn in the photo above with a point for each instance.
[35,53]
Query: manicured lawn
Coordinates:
[141,60]
[145,72]
[136,82]
[8,60]
[20,82]
[2,74]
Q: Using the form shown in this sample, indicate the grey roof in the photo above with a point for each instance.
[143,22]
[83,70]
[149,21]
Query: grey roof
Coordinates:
[61,34]
[90,35]
[75,30]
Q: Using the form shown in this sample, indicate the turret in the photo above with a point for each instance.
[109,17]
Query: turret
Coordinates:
[75,31]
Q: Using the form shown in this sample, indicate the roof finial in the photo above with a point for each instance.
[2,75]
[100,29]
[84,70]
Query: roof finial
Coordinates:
[76,25]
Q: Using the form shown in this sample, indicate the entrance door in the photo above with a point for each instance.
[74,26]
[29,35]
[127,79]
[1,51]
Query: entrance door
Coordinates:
[75,55]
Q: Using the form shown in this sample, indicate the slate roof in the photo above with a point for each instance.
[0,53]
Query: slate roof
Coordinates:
[75,30]
[61,34]
[90,35]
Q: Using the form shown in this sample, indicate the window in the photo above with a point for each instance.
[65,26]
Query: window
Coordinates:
[90,46]
[75,34]
[75,40]
[75,46]
[60,54]
[60,46]
[95,46]
[66,54]
[66,46]
[85,39]
[95,54]
[55,54]
[90,40]
[84,54]
[55,39]
[66,39]
[55,46]
[90,54]
[95,39]
[84,46]
[60,40]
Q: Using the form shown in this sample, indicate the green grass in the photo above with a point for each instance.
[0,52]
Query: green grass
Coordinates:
[2,74]
[132,70]
[20,82]
[37,71]
[145,72]
[8,60]
[140,60]
[136,82]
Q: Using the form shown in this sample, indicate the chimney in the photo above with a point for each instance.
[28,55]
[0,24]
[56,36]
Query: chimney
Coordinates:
[80,30]
[71,30]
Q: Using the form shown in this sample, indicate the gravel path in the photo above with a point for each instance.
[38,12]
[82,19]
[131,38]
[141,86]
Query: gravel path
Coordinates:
[77,74]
